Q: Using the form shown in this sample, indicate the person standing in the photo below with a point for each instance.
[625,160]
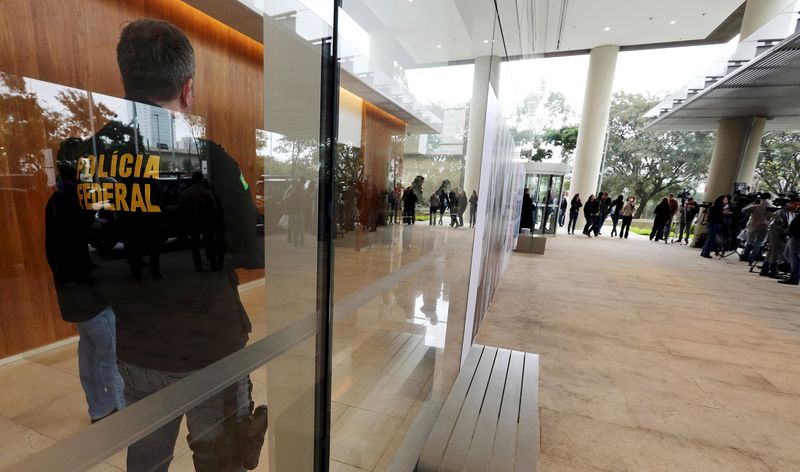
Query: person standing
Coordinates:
[591,211]
[463,202]
[453,203]
[616,208]
[574,209]
[757,226]
[563,210]
[604,202]
[434,207]
[716,218]
[179,321]
[443,202]
[67,228]
[526,217]
[688,214]
[473,209]
[777,237]
[673,210]
[626,213]
[659,222]
[792,253]
[409,206]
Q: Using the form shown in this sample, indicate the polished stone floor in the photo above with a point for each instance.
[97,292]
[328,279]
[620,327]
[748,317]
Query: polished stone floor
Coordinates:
[654,359]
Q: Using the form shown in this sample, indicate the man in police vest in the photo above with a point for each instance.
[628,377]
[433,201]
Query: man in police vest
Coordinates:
[174,319]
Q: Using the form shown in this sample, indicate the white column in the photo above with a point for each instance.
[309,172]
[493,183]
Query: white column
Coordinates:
[487,73]
[594,122]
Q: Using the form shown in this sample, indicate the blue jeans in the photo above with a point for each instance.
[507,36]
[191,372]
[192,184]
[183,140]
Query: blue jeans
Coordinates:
[212,424]
[97,364]
[561,216]
[711,240]
[792,255]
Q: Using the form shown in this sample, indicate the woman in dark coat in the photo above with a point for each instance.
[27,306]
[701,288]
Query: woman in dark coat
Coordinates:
[662,214]
[616,209]
[716,220]
[574,207]
[591,211]
[526,218]
[409,206]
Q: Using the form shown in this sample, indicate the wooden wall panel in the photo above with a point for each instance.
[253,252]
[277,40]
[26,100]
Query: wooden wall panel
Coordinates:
[73,43]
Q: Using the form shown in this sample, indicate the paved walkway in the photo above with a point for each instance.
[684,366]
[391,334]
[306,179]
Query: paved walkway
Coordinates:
[654,359]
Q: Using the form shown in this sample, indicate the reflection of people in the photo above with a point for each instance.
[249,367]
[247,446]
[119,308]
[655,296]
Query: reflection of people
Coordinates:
[463,201]
[66,245]
[199,212]
[473,209]
[294,201]
[170,327]
[434,207]
[409,206]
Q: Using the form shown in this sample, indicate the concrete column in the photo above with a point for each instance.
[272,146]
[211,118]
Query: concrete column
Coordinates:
[743,161]
[747,168]
[726,158]
[487,73]
[757,13]
[594,122]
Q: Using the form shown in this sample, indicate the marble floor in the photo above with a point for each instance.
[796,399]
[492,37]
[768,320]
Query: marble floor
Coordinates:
[399,303]
[653,358]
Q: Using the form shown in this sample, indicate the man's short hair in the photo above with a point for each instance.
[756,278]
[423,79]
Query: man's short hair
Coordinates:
[155,58]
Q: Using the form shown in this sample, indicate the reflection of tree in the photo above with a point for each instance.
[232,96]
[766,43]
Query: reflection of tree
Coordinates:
[349,167]
[27,127]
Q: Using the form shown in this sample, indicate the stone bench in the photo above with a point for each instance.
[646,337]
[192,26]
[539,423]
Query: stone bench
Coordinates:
[490,419]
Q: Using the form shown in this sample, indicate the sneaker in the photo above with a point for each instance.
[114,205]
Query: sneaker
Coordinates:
[706,256]
[789,282]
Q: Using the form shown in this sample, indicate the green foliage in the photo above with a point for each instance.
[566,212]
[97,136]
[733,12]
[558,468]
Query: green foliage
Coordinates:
[649,164]
[778,169]
[542,126]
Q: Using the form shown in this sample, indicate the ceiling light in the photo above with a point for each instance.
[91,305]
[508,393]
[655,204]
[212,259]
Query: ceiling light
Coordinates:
[607,28]
[485,41]
[672,22]
[439,46]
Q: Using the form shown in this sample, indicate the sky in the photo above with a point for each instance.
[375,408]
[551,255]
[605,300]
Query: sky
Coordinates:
[656,72]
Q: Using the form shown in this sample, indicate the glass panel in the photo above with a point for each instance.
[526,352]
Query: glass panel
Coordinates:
[140,196]
[405,181]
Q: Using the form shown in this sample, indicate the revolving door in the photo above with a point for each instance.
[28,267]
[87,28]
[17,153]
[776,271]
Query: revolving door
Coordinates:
[545,183]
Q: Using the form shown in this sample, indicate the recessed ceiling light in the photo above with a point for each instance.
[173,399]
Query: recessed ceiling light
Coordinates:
[607,28]
[672,22]
[439,46]
[485,41]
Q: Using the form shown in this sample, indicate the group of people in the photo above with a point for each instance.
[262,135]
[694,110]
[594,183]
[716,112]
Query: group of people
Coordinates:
[457,202]
[596,211]
[440,202]
[664,217]
[778,229]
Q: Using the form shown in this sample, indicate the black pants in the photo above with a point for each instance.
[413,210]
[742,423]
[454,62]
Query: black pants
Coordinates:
[658,230]
[433,215]
[473,217]
[615,219]
[591,224]
[203,237]
[626,226]
[573,220]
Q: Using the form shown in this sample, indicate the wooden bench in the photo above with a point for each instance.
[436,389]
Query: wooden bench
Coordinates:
[490,419]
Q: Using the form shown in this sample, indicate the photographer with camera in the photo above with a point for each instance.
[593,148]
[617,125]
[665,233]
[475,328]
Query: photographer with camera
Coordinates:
[792,253]
[757,226]
[777,237]
[689,211]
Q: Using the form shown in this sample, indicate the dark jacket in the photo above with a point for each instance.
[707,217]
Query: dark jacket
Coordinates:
[662,212]
[593,208]
[575,205]
[526,217]
[563,205]
[794,228]
[179,320]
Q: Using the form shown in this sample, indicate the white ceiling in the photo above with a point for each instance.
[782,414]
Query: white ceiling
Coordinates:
[532,27]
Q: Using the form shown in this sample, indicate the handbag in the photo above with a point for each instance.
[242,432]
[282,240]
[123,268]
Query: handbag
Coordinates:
[284,222]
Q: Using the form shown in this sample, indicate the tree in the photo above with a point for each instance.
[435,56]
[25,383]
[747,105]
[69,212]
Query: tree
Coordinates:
[778,169]
[650,164]
[543,124]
